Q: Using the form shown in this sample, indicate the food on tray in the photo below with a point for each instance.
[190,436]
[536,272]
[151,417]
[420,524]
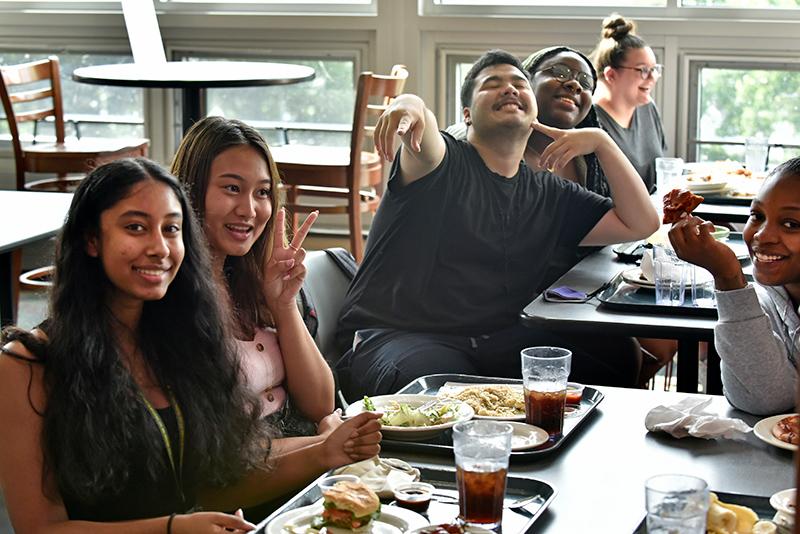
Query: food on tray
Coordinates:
[404,415]
[575,390]
[788,429]
[679,201]
[493,401]
[350,505]
[445,528]
[699,178]
[724,518]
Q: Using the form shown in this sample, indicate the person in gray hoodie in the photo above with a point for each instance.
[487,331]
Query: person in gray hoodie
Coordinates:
[758,328]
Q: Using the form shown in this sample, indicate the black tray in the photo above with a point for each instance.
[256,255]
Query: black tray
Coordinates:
[760,506]
[444,506]
[725,199]
[626,297]
[442,444]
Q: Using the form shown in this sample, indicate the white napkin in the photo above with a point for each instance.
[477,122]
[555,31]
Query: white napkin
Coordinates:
[647,265]
[382,475]
[688,418]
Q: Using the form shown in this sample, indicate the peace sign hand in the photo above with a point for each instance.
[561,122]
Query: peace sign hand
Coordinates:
[284,271]
[568,144]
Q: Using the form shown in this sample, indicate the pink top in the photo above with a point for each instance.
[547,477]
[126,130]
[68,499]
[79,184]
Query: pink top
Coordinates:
[262,365]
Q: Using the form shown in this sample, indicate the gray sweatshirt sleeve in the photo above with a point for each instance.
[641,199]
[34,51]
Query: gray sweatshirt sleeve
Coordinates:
[757,374]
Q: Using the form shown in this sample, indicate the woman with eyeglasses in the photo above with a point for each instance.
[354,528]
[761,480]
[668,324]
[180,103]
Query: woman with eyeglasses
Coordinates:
[628,72]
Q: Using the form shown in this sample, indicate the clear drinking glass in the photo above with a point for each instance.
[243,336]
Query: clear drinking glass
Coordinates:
[756,150]
[671,275]
[545,371]
[676,504]
[668,171]
[481,450]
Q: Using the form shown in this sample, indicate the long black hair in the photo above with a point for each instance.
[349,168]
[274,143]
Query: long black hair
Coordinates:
[595,178]
[95,421]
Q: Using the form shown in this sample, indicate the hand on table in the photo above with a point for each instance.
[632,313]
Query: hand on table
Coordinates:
[284,271]
[210,522]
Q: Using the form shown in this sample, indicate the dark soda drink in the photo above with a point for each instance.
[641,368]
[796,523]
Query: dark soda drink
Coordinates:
[545,409]
[480,496]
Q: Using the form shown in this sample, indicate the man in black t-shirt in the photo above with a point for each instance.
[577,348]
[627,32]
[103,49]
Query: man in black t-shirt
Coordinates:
[463,234]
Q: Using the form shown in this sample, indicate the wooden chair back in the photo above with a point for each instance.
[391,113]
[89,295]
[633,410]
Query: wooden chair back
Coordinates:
[374,92]
[14,89]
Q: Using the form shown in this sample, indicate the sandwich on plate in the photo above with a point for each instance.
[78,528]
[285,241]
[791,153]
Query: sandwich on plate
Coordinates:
[349,505]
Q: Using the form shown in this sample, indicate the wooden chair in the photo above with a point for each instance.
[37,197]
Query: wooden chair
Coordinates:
[353,175]
[62,157]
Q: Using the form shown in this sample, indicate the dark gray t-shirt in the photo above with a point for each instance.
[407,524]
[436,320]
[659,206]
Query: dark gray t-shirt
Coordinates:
[462,250]
[642,142]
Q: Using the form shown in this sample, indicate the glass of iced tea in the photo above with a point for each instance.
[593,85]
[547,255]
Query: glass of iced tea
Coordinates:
[544,374]
[482,449]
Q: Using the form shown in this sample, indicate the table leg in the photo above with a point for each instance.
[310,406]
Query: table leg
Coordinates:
[713,375]
[687,365]
[6,290]
[193,106]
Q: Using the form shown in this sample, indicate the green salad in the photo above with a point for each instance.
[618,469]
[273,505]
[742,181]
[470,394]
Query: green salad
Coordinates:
[403,415]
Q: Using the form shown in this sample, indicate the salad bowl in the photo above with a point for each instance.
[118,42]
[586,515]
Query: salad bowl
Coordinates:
[404,420]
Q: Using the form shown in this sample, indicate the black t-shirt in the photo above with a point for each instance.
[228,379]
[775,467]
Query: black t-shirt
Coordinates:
[463,249]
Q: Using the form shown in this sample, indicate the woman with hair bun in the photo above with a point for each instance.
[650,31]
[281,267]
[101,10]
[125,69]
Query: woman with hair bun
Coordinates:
[627,73]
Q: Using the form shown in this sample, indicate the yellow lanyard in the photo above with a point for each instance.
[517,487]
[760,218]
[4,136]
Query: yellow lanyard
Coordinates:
[176,472]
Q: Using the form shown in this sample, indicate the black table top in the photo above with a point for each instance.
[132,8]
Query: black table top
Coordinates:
[194,74]
[600,474]
[28,216]
[588,275]
[723,212]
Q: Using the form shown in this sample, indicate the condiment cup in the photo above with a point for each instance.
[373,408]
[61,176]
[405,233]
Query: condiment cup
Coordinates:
[415,496]
[330,481]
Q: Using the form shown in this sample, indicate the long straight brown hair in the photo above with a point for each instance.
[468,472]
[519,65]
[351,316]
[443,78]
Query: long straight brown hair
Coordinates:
[204,141]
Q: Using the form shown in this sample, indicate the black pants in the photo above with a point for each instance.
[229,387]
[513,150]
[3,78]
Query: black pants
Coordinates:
[385,360]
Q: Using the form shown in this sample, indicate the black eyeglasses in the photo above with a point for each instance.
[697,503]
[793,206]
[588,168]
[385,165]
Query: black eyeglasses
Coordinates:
[563,74]
[645,72]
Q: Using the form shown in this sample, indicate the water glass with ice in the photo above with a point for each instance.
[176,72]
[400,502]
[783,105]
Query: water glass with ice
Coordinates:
[676,504]
[756,150]
[671,275]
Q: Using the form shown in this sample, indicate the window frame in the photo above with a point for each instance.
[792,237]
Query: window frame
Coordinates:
[692,65]
[672,10]
[261,7]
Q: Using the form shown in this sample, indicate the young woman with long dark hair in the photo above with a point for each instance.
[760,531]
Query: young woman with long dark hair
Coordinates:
[126,405]
[233,183]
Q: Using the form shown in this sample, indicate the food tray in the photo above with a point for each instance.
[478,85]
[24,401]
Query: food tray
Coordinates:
[444,505]
[622,296]
[760,506]
[726,199]
[443,443]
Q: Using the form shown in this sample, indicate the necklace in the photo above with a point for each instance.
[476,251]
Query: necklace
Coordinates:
[177,471]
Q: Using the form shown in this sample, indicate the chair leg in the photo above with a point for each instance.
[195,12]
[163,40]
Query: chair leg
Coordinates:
[291,200]
[16,270]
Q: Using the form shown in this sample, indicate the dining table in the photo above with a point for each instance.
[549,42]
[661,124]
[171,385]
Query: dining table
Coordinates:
[599,474]
[193,78]
[25,217]
[591,317]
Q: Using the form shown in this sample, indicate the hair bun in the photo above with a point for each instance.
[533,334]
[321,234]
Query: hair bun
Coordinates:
[615,26]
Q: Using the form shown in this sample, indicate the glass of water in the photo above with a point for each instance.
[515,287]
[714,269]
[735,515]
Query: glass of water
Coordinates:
[676,504]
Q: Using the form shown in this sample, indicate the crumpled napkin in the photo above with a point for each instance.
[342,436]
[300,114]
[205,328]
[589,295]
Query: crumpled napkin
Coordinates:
[688,418]
[382,475]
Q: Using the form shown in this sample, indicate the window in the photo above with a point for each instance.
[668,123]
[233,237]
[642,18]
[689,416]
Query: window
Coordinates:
[733,100]
[743,4]
[98,111]
[316,112]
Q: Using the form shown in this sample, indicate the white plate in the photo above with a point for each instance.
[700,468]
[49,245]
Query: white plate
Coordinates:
[633,277]
[452,388]
[527,436]
[763,431]
[783,501]
[393,520]
[465,529]
[463,413]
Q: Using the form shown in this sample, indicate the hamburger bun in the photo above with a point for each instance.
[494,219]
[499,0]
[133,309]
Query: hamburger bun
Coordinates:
[355,497]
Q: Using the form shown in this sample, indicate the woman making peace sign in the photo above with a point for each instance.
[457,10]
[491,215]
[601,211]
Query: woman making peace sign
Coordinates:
[233,183]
